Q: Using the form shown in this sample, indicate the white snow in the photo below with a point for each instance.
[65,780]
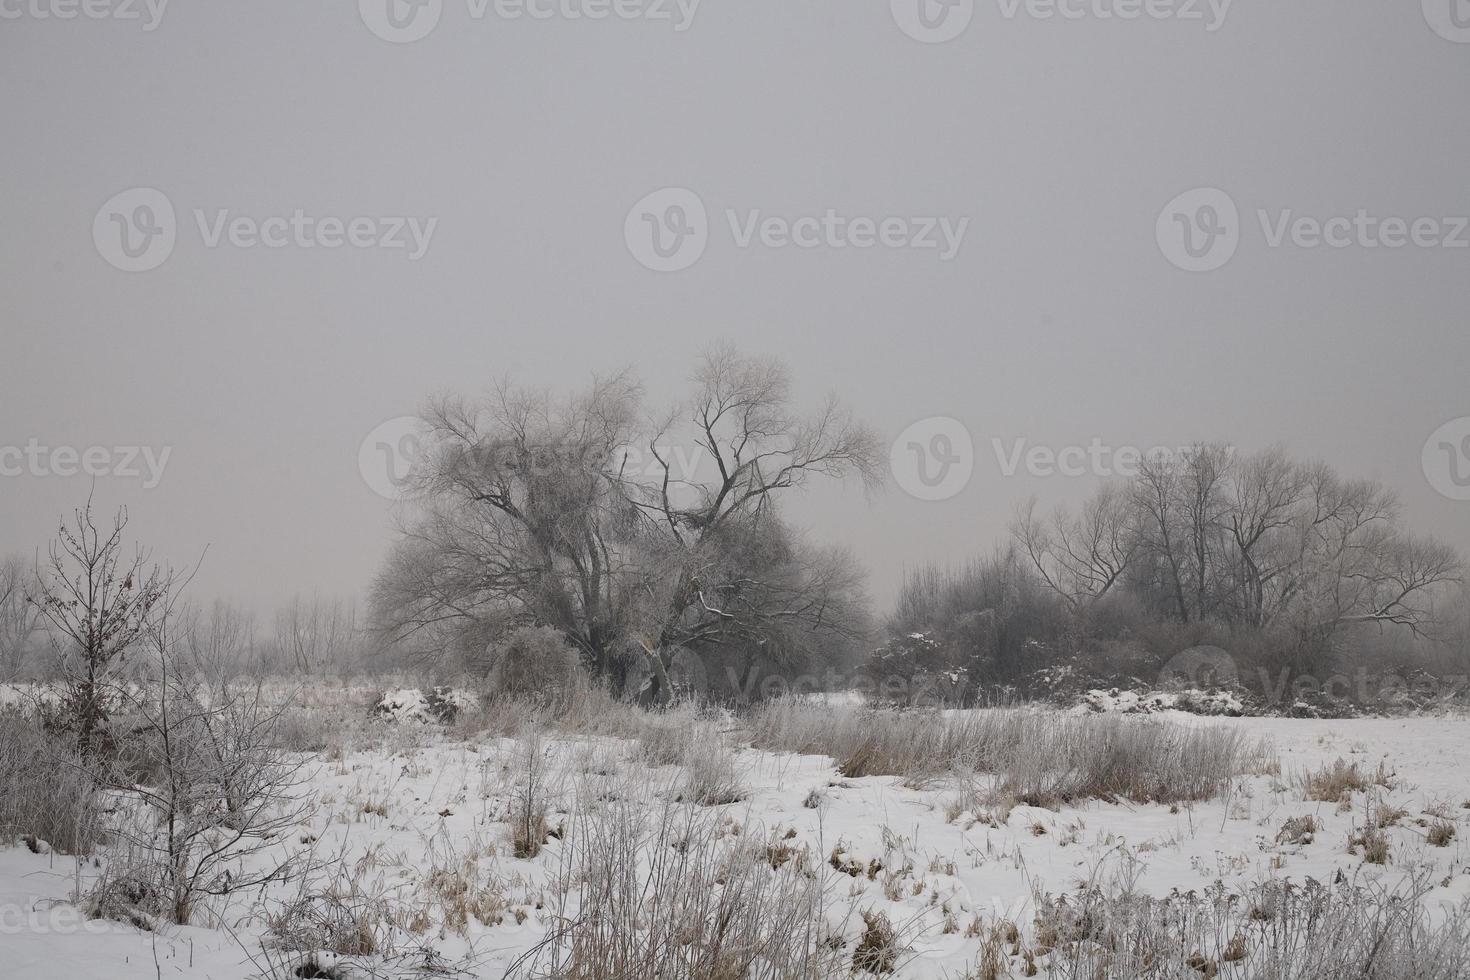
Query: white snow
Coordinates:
[404,811]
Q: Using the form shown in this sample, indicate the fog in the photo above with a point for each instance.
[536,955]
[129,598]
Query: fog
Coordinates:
[1028,290]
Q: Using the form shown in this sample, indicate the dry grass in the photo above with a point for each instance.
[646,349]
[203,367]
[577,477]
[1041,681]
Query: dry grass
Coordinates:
[1339,781]
[1298,830]
[655,892]
[1280,931]
[711,775]
[46,796]
[877,951]
[341,909]
[1036,756]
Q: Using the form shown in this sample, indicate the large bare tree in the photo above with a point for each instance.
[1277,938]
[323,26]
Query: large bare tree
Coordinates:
[580,514]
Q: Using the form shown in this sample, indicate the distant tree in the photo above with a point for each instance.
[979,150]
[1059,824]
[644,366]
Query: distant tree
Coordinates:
[309,635]
[20,620]
[574,514]
[222,636]
[1260,541]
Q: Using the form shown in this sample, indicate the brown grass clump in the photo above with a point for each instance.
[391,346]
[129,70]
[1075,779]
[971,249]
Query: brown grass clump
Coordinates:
[877,951]
[1373,842]
[1298,830]
[1337,782]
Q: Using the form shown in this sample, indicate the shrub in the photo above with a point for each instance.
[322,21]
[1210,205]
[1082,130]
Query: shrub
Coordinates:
[536,663]
[529,798]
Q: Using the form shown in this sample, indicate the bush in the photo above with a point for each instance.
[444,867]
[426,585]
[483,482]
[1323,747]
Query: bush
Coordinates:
[536,663]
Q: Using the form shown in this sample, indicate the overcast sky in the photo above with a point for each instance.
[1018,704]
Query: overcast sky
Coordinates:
[522,150]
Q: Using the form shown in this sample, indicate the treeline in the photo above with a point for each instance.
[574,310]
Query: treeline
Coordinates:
[1285,565]
[650,541]
[308,636]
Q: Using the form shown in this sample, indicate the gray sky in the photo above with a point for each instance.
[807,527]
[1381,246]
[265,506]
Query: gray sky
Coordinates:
[1060,319]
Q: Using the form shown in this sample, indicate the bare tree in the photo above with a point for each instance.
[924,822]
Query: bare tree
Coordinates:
[1268,490]
[727,569]
[209,793]
[1085,557]
[222,637]
[97,598]
[309,634]
[520,521]
[531,512]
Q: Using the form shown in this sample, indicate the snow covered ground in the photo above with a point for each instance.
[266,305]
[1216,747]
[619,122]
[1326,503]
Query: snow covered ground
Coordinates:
[410,824]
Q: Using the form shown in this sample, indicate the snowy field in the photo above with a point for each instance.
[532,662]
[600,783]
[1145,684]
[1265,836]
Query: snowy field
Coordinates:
[412,843]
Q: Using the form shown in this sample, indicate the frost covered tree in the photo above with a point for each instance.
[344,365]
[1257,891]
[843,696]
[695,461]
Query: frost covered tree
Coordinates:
[636,540]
